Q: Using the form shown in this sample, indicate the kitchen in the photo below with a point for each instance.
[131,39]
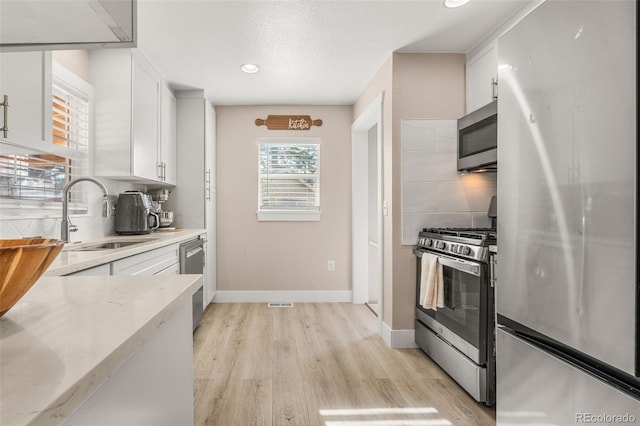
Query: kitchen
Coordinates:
[249,242]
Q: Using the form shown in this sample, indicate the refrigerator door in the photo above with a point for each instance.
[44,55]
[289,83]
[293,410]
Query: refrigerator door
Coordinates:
[567,177]
[553,392]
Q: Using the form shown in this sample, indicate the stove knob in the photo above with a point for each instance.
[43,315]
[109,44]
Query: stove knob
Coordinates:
[466,250]
[441,245]
[453,248]
[428,242]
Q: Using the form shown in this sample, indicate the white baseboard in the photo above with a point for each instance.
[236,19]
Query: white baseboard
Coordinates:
[398,339]
[292,296]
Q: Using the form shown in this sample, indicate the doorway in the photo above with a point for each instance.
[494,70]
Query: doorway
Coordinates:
[367,212]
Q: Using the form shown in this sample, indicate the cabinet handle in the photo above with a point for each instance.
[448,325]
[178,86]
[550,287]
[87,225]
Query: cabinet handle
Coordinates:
[208,184]
[160,171]
[494,88]
[164,171]
[5,123]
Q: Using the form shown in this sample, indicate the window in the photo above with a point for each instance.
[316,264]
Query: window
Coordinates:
[34,181]
[289,179]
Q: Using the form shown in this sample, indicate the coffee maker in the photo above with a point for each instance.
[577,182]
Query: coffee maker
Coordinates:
[134,214]
[159,197]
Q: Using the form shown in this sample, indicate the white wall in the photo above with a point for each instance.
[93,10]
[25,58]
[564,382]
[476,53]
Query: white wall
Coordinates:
[260,257]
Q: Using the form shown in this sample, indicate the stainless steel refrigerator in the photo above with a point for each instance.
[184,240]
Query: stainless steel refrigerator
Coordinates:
[567,293]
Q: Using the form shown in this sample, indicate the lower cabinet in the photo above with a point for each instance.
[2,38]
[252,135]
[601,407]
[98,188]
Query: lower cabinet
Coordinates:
[154,387]
[164,261]
[171,270]
[96,270]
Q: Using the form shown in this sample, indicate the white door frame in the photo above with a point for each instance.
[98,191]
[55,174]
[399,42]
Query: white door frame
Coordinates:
[369,118]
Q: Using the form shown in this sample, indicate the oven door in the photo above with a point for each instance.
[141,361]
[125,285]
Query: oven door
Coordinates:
[466,319]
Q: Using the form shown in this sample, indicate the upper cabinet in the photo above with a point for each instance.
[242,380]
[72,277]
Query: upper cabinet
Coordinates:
[129,118]
[25,94]
[67,24]
[167,152]
[482,78]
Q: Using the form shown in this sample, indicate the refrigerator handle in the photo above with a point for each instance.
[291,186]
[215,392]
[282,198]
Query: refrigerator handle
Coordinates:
[493,261]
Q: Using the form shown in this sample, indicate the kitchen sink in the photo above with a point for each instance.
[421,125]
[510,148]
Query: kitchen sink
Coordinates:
[110,245]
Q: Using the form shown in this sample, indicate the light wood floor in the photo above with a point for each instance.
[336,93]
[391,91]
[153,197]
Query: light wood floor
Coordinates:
[317,364]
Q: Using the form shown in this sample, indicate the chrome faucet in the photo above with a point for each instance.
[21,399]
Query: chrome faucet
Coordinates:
[66,226]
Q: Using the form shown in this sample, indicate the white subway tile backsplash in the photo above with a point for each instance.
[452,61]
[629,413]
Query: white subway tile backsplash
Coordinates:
[480,220]
[8,231]
[419,197]
[434,194]
[447,136]
[419,135]
[452,197]
[428,166]
[90,226]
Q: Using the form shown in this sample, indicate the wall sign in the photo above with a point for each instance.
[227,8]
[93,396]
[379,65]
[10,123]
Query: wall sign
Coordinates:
[288,122]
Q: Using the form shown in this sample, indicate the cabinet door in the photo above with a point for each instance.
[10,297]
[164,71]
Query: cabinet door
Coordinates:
[167,158]
[25,77]
[482,69]
[210,204]
[145,120]
[171,270]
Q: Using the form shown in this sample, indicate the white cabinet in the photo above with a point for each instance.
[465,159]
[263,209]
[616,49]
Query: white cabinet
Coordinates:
[25,80]
[170,270]
[482,77]
[145,119]
[127,97]
[149,263]
[76,24]
[167,152]
[193,200]
[96,270]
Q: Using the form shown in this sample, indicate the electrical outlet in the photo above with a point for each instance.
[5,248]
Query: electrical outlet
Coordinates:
[331,265]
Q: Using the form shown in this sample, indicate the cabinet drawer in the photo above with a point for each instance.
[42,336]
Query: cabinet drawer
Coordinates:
[149,263]
[96,270]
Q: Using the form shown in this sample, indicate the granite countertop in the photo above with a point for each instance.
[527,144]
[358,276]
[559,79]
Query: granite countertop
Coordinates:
[67,335]
[69,261]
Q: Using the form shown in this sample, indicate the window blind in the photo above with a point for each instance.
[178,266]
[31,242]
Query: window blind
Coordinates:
[289,176]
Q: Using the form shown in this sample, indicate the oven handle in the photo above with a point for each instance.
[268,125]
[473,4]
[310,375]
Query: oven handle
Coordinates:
[472,268]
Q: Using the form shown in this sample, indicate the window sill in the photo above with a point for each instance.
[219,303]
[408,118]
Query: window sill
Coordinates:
[288,216]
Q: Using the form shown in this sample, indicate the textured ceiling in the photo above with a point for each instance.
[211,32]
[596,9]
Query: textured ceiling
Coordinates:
[309,52]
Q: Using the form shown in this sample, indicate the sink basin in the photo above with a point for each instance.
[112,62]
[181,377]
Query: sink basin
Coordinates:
[109,245]
[22,262]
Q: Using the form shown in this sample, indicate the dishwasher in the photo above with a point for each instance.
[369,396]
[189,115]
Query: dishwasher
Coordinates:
[192,262]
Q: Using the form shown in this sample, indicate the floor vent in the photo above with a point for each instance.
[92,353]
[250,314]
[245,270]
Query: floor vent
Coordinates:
[279,305]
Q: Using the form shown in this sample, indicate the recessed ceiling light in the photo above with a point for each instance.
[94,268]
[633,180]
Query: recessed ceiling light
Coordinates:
[455,3]
[250,68]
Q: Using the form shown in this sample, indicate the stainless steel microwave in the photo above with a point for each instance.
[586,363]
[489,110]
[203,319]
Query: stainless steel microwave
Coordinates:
[478,139]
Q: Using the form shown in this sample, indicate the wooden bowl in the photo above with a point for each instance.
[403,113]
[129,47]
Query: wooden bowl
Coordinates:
[22,262]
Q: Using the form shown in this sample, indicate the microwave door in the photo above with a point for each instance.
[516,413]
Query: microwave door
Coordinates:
[478,139]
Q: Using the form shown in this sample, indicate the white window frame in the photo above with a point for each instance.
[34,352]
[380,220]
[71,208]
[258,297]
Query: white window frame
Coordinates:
[290,214]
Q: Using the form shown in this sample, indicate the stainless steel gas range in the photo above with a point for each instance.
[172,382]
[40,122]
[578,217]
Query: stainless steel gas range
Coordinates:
[459,332]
